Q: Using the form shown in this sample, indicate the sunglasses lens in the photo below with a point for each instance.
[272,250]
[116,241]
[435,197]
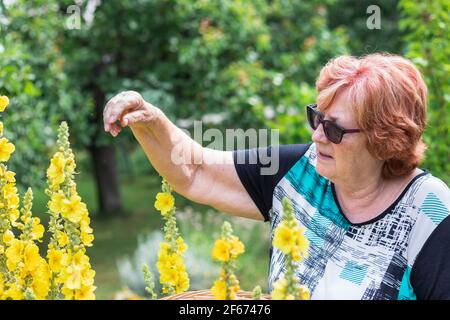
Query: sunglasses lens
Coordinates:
[313,118]
[333,133]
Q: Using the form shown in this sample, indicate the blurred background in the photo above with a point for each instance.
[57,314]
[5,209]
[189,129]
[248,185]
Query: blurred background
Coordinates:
[234,64]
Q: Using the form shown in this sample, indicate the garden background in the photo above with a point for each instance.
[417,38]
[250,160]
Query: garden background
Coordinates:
[233,64]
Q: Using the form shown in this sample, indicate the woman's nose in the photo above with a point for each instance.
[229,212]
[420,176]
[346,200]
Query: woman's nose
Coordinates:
[319,135]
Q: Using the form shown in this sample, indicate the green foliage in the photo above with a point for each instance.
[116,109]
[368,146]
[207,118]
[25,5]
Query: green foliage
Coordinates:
[428,37]
[32,75]
[352,15]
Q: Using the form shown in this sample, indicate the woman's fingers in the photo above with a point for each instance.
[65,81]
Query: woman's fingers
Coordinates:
[119,105]
[134,117]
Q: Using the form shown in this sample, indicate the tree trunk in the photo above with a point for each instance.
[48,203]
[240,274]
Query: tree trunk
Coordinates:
[103,158]
[104,164]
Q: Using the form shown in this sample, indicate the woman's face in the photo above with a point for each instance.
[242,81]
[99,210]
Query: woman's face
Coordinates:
[349,159]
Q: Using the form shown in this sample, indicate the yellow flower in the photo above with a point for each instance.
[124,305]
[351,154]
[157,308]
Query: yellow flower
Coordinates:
[284,238]
[8,236]
[279,289]
[38,229]
[87,277]
[86,238]
[181,245]
[6,148]
[73,278]
[14,292]
[10,176]
[300,248]
[73,209]
[164,202]
[219,290]
[85,293]
[14,253]
[55,172]
[31,257]
[56,259]
[2,287]
[80,260]
[221,250]
[56,202]
[237,247]
[4,102]
[63,239]
[303,293]
[182,283]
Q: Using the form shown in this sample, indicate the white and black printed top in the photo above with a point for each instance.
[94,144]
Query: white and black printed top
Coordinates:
[404,253]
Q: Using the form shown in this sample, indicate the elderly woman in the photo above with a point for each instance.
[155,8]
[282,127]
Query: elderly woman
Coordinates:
[378,225]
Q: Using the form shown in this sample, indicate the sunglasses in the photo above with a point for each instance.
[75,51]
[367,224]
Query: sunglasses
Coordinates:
[333,131]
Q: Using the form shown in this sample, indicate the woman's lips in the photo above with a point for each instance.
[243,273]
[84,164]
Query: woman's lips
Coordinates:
[323,156]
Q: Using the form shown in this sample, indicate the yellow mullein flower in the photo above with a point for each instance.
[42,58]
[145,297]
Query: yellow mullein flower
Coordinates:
[31,257]
[85,293]
[226,249]
[88,276]
[14,253]
[284,238]
[14,292]
[55,172]
[237,247]
[73,278]
[170,264]
[303,292]
[62,238]
[72,275]
[80,260]
[221,250]
[290,240]
[56,259]
[2,286]
[8,236]
[38,230]
[56,202]
[219,290]
[279,289]
[4,102]
[10,177]
[300,249]
[73,209]
[164,202]
[6,149]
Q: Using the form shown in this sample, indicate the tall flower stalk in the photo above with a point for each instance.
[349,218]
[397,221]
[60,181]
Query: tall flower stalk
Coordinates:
[226,250]
[289,238]
[71,274]
[173,275]
[24,274]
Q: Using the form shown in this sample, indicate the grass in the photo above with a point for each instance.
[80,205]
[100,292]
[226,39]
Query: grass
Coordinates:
[117,236]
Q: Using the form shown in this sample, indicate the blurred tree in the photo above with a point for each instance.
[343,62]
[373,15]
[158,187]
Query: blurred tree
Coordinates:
[427,35]
[32,75]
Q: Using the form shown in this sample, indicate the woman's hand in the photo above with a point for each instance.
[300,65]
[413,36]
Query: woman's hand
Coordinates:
[128,108]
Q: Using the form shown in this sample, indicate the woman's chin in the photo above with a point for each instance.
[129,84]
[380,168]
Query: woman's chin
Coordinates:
[323,170]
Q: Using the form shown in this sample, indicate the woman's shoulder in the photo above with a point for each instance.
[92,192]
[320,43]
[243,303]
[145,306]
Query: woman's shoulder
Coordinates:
[432,198]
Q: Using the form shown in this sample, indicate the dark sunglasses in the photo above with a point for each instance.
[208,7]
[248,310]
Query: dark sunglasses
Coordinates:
[333,131]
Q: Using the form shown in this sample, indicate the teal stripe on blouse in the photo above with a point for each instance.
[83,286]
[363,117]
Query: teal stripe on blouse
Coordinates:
[316,190]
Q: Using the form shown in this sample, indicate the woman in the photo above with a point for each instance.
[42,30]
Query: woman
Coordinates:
[378,225]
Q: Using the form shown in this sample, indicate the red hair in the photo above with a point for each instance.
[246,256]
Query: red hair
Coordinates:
[389,99]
